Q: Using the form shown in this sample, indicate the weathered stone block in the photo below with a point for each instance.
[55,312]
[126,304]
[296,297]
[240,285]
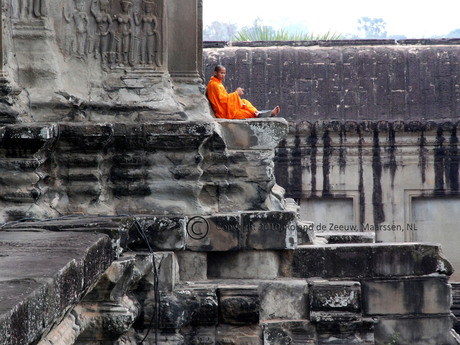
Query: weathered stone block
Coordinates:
[162,232]
[269,230]
[289,332]
[343,296]
[167,269]
[366,260]
[235,335]
[305,232]
[200,335]
[243,265]
[193,266]
[239,305]
[338,331]
[188,307]
[115,227]
[215,233]
[416,330]
[346,338]
[284,299]
[253,165]
[165,338]
[114,282]
[243,195]
[409,259]
[252,134]
[43,275]
[105,321]
[348,237]
[428,295]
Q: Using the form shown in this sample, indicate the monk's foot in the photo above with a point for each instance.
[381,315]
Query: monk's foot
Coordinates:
[275,111]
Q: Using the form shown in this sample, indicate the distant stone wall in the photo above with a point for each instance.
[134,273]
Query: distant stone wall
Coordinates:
[346,80]
[373,143]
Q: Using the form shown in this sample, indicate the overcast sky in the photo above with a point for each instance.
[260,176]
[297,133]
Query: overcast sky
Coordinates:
[413,19]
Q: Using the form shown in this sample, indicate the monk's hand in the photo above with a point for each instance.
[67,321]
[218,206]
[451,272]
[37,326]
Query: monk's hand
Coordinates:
[240,91]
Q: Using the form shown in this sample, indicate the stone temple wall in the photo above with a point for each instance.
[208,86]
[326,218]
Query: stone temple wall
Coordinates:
[247,282]
[102,60]
[129,215]
[374,80]
[373,143]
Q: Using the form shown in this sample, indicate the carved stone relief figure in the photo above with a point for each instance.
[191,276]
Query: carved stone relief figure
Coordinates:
[104,26]
[149,36]
[29,8]
[120,32]
[124,37]
[80,19]
[39,8]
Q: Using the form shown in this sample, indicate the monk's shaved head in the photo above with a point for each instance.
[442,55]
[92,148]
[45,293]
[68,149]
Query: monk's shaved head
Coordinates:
[219,72]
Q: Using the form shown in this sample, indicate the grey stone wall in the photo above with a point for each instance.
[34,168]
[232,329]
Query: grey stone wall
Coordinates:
[373,143]
[398,179]
[346,80]
[74,60]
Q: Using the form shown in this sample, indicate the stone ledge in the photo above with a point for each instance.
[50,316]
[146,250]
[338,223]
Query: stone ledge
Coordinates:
[279,332]
[116,227]
[333,43]
[305,127]
[252,134]
[424,295]
[366,260]
[44,274]
[432,330]
[347,237]
[260,230]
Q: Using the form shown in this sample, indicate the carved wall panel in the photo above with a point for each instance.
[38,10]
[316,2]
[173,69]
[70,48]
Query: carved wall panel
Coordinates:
[118,32]
[23,9]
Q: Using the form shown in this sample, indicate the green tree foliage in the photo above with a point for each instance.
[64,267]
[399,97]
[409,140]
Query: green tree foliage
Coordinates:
[218,31]
[372,27]
[259,32]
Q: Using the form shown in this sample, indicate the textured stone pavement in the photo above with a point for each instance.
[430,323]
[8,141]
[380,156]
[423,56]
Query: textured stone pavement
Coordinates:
[42,275]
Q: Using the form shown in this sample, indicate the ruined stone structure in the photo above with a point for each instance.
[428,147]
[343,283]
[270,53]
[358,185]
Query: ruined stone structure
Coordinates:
[129,215]
[373,142]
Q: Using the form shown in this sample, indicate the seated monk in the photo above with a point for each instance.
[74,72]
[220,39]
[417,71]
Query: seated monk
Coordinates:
[230,105]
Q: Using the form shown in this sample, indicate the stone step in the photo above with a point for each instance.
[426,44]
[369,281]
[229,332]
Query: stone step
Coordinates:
[249,230]
[347,237]
[252,301]
[42,275]
[366,260]
[254,230]
[456,304]
[234,302]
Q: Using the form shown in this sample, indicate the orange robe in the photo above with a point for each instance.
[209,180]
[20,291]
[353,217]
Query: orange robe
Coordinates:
[228,105]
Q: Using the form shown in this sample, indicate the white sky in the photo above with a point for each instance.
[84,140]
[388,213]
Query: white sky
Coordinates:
[414,19]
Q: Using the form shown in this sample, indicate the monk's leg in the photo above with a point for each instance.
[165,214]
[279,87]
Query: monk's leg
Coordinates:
[248,106]
[244,114]
[247,111]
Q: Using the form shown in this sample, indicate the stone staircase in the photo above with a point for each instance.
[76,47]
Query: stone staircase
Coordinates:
[254,278]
